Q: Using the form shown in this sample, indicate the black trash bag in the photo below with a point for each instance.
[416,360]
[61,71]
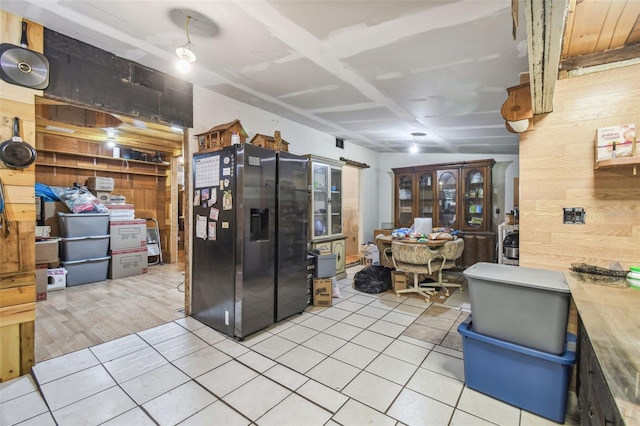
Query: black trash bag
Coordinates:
[373,279]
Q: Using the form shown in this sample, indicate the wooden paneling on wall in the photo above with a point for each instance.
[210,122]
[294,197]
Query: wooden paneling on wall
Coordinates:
[557,170]
[146,185]
[17,250]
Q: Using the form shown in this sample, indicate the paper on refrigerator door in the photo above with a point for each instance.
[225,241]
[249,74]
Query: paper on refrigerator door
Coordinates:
[207,171]
[201,227]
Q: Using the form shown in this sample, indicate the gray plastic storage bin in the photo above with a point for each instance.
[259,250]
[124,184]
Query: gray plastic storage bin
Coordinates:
[79,248]
[83,224]
[325,265]
[525,306]
[86,271]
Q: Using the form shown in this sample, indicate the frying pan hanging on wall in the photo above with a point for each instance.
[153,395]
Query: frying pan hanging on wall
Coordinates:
[23,67]
[16,153]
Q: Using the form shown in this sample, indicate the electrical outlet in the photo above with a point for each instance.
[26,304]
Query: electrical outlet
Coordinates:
[574,215]
[497,211]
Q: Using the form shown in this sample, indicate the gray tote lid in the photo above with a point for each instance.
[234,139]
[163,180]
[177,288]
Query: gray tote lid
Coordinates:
[527,277]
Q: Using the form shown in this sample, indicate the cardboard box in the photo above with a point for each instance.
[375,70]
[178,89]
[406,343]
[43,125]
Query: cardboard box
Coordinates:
[56,279]
[97,183]
[121,211]
[128,262]
[399,280]
[41,282]
[622,137]
[126,234]
[47,251]
[43,231]
[103,196]
[369,255]
[50,215]
[322,292]
[118,199]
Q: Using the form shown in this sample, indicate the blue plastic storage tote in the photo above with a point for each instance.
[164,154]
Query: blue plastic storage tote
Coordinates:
[529,379]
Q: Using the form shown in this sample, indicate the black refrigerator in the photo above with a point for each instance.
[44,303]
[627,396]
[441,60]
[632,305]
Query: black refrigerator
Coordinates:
[239,248]
[291,243]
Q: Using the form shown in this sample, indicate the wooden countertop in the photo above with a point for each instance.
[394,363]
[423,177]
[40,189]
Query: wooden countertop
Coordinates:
[611,317]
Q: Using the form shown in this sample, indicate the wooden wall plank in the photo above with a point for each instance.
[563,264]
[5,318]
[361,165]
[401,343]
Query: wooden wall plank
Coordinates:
[588,15]
[17,251]
[10,109]
[17,94]
[17,314]
[27,346]
[17,280]
[10,353]
[19,194]
[17,177]
[612,24]
[628,21]
[17,295]
[557,170]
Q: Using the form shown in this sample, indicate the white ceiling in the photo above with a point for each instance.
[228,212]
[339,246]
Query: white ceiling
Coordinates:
[369,72]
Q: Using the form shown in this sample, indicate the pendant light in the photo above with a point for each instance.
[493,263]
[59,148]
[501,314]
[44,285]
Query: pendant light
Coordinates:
[185,52]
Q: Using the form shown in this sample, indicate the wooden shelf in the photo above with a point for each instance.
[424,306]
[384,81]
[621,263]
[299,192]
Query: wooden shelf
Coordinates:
[160,168]
[63,166]
[617,162]
[104,157]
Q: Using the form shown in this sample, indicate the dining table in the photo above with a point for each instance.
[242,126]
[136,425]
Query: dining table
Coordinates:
[384,242]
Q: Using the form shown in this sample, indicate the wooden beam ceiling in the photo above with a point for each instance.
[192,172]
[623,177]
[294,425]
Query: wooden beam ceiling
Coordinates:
[545,28]
[132,132]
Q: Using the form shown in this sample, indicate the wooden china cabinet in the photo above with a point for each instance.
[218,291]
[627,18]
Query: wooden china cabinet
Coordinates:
[453,195]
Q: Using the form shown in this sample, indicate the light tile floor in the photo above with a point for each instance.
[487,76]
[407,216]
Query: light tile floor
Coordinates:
[369,359]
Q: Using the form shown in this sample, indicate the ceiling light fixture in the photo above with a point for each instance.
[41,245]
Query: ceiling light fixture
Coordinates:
[185,52]
[414,146]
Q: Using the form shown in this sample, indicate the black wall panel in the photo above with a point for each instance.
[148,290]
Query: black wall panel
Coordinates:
[85,75]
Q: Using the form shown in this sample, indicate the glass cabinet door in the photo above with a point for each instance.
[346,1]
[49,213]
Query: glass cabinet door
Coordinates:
[425,195]
[404,194]
[335,201]
[475,200]
[320,177]
[447,199]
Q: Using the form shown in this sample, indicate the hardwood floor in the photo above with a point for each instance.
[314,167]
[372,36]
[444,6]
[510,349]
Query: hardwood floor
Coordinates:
[82,316]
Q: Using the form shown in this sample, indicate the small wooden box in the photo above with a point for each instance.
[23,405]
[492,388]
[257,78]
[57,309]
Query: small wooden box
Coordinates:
[220,135]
